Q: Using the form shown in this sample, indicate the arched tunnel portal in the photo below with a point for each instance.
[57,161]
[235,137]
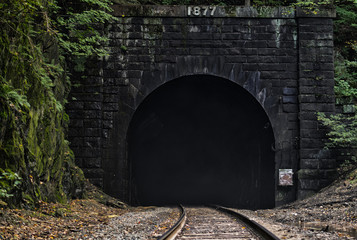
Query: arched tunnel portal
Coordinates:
[201,139]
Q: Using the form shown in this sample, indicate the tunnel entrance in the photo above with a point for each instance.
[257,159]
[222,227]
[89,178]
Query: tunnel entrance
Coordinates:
[199,140]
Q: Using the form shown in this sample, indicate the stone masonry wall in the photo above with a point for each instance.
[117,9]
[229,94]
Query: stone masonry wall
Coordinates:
[282,57]
[316,81]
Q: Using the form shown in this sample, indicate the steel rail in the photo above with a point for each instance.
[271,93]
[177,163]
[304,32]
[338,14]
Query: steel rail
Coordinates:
[175,229]
[259,229]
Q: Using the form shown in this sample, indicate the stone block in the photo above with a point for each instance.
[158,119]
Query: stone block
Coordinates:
[256,44]
[110,107]
[325,98]
[76,123]
[93,106]
[302,194]
[307,133]
[315,21]
[197,36]
[267,59]
[236,59]
[93,173]
[288,44]
[313,143]
[292,126]
[92,123]
[326,107]
[307,124]
[309,184]
[75,132]
[76,114]
[134,66]
[315,154]
[307,116]
[308,107]
[306,57]
[293,117]
[74,105]
[108,115]
[309,164]
[315,90]
[272,67]
[290,99]
[135,35]
[92,114]
[89,97]
[108,124]
[308,174]
[92,142]
[286,59]
[307,98]
[290,108]
[268,52]
[92,132]
[92,163]
[110,98]
[324,58]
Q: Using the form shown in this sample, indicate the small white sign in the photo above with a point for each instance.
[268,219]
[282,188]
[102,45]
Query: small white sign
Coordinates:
[286,177]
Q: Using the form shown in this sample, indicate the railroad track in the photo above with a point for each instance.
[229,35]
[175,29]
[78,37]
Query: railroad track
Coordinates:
[215,223]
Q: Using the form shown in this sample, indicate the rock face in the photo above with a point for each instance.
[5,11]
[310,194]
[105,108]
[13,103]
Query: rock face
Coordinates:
[32,119]
[282,57]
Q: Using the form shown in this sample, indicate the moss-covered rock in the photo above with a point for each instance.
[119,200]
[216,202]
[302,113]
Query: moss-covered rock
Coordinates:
[33,123]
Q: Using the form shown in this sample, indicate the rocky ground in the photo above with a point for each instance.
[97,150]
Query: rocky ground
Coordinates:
[330,214]
[98,217]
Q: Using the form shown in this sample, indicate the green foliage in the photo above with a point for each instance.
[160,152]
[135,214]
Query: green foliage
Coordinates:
[346,49]
[9,182]
[301,3]
[342,133]
[12,96]
[345,27]
[346,78]
[78,31]
[343,130]
[36,38]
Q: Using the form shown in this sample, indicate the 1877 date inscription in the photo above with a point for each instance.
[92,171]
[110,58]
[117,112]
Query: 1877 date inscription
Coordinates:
[201,11]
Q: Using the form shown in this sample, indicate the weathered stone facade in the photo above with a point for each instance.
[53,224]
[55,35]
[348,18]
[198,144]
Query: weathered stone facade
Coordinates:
[283,57]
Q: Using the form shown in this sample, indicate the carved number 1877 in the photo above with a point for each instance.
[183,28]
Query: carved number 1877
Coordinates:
[201,11]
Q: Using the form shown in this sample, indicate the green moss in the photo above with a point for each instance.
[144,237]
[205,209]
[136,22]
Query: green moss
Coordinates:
[33,87]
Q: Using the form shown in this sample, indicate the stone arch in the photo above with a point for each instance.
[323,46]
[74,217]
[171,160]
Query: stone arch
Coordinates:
[251,81]
[161,137]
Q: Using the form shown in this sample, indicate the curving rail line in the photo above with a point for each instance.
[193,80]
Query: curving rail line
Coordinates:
[175,229]
[256,227]
[258,230]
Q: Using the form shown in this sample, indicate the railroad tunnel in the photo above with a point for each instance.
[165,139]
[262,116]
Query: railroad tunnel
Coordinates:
[201,139]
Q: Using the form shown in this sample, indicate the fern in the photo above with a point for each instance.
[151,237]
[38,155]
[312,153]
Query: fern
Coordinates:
[78,35]
[13,97]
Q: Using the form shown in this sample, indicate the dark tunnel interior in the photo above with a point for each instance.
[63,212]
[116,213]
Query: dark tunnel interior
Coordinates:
[201,140]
